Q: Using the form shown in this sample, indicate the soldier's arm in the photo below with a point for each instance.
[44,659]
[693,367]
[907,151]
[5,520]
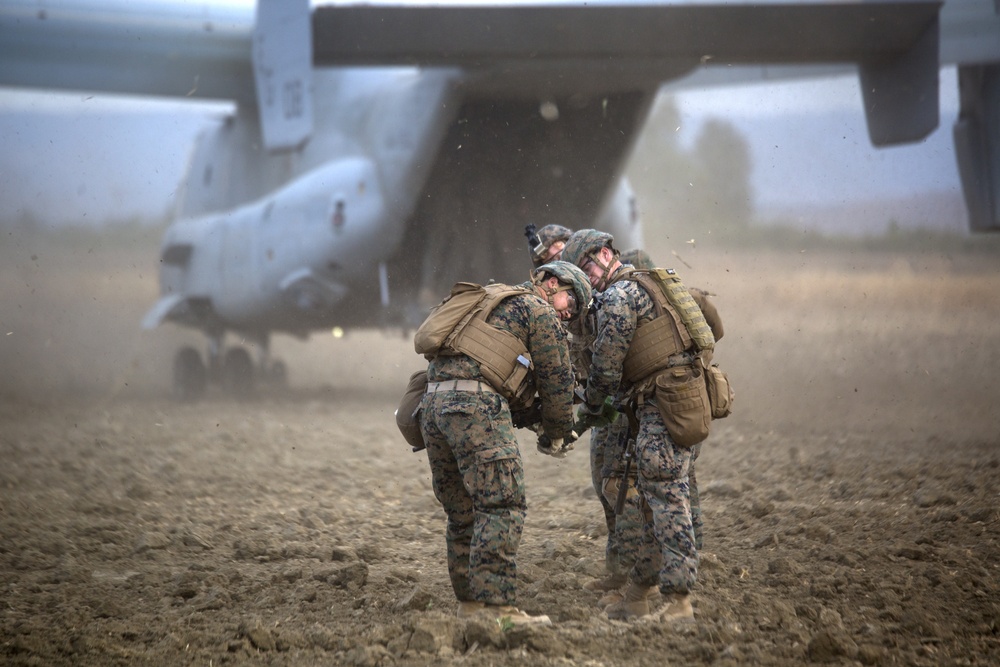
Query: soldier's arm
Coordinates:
[553,372]
[616,325]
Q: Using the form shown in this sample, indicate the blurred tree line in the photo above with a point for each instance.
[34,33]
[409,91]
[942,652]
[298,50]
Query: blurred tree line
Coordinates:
[686,193]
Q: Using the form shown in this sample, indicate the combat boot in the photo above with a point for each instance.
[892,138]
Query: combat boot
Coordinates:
[615,596]
[676,607]
[634,603]
[507,614]
[469,608]
[611,582]
[501,613]
[610,598]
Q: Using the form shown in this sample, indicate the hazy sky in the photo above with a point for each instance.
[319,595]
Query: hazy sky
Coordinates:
[78,158]
[809,140]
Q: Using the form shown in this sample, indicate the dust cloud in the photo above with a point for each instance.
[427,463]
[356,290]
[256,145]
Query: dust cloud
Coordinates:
[850,500]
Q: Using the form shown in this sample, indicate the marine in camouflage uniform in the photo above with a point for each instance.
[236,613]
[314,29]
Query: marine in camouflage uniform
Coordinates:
[667,552]
[551,240]
[607,447]
[475,462]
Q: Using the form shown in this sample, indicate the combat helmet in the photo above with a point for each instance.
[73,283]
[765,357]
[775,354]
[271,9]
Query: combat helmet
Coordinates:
[638,258]
[583,245]
[572,277]
[548,235]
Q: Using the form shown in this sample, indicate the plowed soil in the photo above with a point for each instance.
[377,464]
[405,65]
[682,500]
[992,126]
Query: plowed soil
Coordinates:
[851,501]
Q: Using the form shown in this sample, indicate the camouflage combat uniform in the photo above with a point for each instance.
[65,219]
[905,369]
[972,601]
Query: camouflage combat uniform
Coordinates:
[667,552]
[623,545]
[474,457]
[606,446]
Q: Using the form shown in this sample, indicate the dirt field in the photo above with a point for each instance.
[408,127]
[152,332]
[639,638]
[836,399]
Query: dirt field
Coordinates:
[851,501]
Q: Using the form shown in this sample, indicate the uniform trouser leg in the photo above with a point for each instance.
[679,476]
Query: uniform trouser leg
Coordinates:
[697,521]
[628,525]
[479,480]
[668,533]
[496,530]
[598,440]
[620,551]
[458,508]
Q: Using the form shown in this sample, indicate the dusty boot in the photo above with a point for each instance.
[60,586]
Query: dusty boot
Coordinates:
[469,608]
[609,583]
[676,607]
[612,597]
[634,603]
[514,616]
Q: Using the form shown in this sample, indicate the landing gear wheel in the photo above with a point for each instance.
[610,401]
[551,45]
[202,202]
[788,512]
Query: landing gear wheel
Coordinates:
[189,375]
[237,373]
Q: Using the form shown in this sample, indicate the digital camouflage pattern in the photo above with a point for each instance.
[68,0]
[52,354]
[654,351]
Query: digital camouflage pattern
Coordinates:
[583,243]
[475,462]
[666,553]
[548,235]
[625,530]
[607,447]
[532,320]
[572,275]
[478,478]
[607,444]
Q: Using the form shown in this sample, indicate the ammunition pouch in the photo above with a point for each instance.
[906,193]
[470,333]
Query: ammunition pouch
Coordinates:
[720,392]
[408,412]
[681,396]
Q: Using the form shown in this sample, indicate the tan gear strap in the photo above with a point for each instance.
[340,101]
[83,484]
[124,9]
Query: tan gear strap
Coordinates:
[503,358]
[661,338]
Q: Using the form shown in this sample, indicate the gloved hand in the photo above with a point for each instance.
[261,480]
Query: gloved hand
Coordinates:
[594,416]
[557,448]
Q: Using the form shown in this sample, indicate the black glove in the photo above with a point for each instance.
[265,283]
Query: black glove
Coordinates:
[530,418]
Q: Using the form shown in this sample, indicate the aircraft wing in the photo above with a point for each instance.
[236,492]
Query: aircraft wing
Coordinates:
[516,48]
[531,50]
[560,48]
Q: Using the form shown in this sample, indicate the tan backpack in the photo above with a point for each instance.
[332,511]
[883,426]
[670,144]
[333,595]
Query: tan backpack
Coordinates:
[444,318]
[458,326]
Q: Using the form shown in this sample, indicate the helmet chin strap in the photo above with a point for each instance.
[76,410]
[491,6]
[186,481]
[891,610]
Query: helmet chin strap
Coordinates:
[549,293]
[602,284]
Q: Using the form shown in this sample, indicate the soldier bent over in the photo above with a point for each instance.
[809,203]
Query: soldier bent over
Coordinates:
[642,341]
[511,348]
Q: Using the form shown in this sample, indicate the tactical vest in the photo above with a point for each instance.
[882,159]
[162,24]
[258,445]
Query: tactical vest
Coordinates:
[503,357]
[678,326]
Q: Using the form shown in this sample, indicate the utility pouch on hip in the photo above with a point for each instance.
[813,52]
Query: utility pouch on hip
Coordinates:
[681,395]
[720,392]
[408,412]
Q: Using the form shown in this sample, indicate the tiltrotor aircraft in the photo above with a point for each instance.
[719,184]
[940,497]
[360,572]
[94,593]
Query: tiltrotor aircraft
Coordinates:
[377,153]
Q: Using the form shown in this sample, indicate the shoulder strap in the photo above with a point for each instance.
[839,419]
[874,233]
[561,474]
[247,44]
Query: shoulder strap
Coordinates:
[503,357]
